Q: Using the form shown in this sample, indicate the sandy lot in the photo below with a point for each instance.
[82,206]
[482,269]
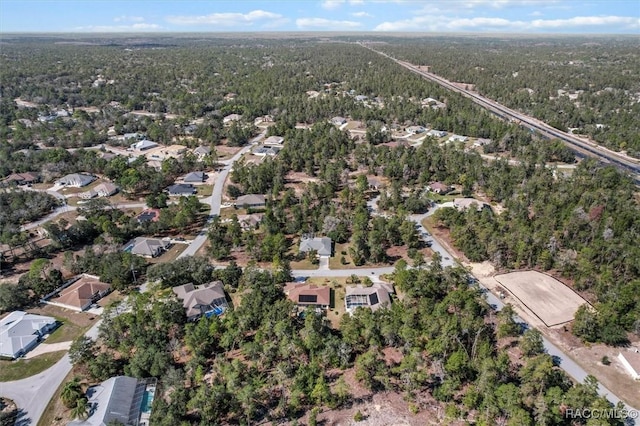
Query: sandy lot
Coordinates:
[549,299]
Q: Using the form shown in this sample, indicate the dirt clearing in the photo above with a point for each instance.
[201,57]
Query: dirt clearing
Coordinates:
[550,300]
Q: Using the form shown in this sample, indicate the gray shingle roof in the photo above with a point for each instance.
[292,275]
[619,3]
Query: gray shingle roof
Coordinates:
[320,244]
[20,330]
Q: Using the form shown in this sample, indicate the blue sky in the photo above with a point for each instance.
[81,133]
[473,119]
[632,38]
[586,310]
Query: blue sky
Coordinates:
[508,16]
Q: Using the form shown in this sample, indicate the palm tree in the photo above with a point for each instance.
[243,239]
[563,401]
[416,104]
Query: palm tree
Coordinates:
[71,392]
[80,410]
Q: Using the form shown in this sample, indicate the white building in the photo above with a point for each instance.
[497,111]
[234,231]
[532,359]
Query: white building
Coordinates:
[20,332]
[631,362]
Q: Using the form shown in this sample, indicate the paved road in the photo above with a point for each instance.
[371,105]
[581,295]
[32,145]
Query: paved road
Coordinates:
[32,394]
[216,197]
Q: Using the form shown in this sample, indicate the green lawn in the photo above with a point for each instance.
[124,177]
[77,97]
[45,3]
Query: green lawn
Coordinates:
[334,262]
[16,370]
[66,332]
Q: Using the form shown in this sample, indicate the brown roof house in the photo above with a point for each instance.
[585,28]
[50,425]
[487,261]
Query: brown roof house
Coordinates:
[250,221]
[85,290]
[374,297]
[309,295]
[631,362]
[21,178]
[439,188]
[206,299]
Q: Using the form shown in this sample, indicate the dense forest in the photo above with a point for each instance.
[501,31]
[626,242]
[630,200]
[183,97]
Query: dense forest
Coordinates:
[591,86]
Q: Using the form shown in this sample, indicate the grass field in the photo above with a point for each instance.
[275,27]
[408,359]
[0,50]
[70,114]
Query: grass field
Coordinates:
[16,370]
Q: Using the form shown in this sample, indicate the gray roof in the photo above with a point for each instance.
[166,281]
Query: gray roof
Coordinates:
[148,247]
[196,177]
[76,179]
[116,399]
[181,189]
[251,200]
[373,297]
[320,244]
[142,145]
[19,331]
[200,299]
[202,150]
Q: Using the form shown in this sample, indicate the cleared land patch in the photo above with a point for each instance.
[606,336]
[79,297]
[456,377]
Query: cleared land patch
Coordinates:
[550,300]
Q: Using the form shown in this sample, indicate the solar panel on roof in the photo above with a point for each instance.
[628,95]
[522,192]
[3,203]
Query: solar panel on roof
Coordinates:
[307,298]
[373,299]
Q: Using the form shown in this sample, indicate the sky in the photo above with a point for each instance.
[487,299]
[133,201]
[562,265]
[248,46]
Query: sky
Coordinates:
[448,16]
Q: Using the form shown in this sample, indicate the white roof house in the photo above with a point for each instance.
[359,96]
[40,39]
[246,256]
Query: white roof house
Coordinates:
[631,362]
[231,117]
[457,138]
[274,140]
[76,180]
[20,332]
[143,145]
[437,133]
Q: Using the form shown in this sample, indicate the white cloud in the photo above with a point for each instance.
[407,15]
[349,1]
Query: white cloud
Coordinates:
[331,4]
[326,24]
[362,15]
[448,23]
[125,18]
[138,27]
[224,19]
[334,4]
[536,13]
[585,21]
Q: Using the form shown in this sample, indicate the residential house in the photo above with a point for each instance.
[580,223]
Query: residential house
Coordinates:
[274,140]
[631,362]
[231,117]
[182,189]
[374,184]
[481,142]
[206,299]
[457,138]
[106,189]
[202,151]
[171,151]
[20,332]
[322,245]
[432,103]
[149,215]
[83,291]
[251,200]
[467,203]
[263,119]
[22,178]
[374,297]
[414,130]
[439,188]
[132,136]
[250,221]
[338,121]
[263,151]
[144,145]
[147,247]
[309,295]
[119,400]
[195,177]
[76,180]
[437,133]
